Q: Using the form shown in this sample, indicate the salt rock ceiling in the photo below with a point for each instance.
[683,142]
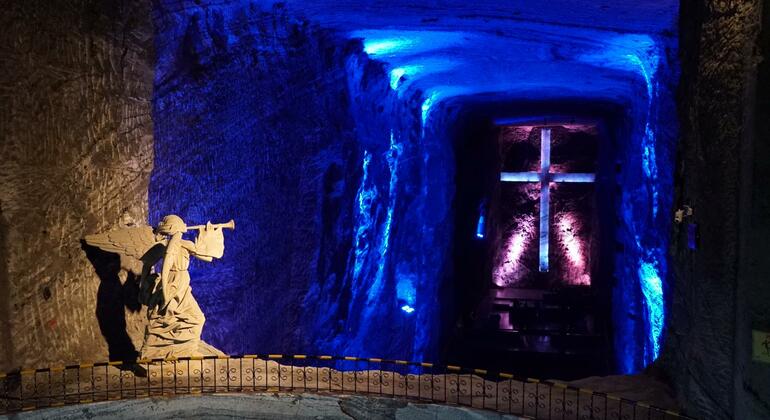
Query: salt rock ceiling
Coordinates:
[520,49]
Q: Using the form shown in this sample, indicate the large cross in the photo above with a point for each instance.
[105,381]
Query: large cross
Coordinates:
[545,177]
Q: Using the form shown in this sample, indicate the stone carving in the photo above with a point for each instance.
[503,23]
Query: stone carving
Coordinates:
[175,320]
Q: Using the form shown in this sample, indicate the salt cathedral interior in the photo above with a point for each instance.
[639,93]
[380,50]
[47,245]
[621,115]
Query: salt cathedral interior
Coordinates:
[385,209]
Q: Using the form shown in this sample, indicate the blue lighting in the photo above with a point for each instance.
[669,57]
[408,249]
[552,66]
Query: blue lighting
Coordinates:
[481,227]
[405,290]
[414,68]
[642,269]
[426,106]
[573,177]
[365,197]
[392,157]
[638,54]
[386,46]
[520,176]
[395,77]
[649,162]
[652,289]
[370,285]
[545,198]
[363,216]
[398,73]
[390,43]
[618,51]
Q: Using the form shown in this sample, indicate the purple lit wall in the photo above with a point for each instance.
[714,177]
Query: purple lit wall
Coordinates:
[574,150]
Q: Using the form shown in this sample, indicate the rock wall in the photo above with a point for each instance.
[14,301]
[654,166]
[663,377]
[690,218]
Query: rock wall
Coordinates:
[718,286]
[752,384]
[269,119]
[259,116]
[252,123]
[293,131]
[76,156]
[395,288]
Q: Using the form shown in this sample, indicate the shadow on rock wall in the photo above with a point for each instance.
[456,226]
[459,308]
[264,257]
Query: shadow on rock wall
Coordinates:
[113,297]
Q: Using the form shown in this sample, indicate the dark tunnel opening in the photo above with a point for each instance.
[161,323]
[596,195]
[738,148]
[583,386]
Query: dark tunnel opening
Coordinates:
[555,323]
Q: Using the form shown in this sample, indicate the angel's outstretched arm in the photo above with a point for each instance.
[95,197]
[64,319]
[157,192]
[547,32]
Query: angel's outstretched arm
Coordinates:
[172,251]
[192,247]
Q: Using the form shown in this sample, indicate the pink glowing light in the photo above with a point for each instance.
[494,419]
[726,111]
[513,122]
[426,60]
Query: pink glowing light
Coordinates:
[509,270]
[545,177]
[568,229]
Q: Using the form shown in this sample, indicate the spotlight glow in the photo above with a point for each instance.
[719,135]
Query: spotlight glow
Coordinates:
[392,157]
[364,198]
[545,177]
[391,43]
[480,227]
[395,77]
[652,289]
[426,105]
[405,290]
[398,73]
[567,229]
[386,46]
[509,269]
[408,309]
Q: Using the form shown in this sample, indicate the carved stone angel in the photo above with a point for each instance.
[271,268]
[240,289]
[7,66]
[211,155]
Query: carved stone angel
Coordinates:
[175,320]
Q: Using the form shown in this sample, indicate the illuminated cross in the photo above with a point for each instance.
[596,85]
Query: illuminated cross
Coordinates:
[545,177]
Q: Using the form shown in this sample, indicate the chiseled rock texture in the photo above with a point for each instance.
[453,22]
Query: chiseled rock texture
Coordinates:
[264,406]
[289,128]
[721,289]
[252,123]
[76,157]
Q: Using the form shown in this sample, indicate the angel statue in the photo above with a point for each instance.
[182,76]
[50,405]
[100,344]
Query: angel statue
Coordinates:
[175,320]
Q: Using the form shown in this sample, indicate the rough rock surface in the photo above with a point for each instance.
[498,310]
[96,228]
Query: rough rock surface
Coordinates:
[77,152]
[642,388]
[76,157]
[719,286]
[232,142]
[251,123]
[263,406]
[339,202]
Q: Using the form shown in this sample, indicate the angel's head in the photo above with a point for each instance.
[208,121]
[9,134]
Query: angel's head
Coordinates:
[171,224]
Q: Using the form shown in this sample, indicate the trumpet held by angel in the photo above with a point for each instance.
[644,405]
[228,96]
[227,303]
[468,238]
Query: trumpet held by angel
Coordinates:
[175,321]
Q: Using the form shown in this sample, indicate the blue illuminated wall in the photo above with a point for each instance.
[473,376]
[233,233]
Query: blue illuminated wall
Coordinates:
[641,293]
[333,151]
[252,124]
[388,301]
[341,238]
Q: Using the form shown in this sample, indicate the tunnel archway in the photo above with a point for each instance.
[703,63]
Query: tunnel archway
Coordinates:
[356,233]
[552,323]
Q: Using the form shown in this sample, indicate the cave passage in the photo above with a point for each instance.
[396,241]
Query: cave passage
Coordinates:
[514,313]
[363,166]
[365,153]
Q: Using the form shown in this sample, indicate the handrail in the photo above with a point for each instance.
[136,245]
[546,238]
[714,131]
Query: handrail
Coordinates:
[30,389]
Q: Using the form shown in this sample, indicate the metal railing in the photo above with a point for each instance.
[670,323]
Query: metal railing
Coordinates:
[425,382]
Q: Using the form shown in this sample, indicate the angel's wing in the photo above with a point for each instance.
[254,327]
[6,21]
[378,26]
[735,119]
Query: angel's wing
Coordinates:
[133,241]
